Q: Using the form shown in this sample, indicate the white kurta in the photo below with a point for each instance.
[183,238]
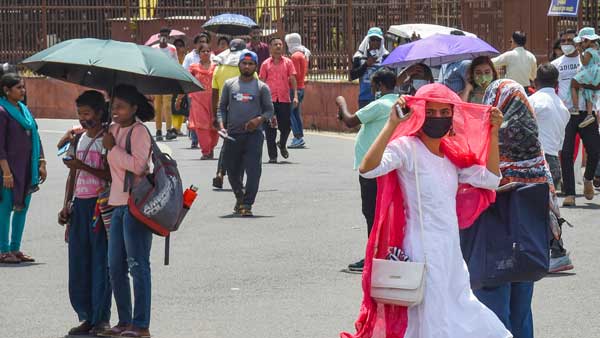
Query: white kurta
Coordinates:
[449,308]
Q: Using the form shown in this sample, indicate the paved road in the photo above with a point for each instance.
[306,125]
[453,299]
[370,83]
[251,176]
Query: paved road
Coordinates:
[275,276]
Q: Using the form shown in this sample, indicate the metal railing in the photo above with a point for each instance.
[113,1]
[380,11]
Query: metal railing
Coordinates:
[331,29]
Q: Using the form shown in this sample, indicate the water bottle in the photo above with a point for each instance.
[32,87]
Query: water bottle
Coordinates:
[189,195]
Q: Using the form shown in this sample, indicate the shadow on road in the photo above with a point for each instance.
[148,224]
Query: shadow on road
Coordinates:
[561,274]
[20,265]
[248,217]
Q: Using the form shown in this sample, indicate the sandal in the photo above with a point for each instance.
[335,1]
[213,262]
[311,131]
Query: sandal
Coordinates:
[9,258]
[136,332]
[23,257]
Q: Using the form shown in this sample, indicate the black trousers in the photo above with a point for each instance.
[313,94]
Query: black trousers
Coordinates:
[591,142]
[284,124]
[244,154]
[368,195]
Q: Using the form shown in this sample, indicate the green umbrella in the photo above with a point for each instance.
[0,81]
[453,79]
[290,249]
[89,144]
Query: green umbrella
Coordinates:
[103,64]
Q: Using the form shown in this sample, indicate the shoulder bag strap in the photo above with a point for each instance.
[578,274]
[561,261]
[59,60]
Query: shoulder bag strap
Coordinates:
[154,149]
[414,151]
[87,150]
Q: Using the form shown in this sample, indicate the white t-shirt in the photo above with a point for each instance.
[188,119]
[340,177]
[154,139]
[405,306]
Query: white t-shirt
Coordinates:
[567,68]
[191,58]
[170,51]
[552,117]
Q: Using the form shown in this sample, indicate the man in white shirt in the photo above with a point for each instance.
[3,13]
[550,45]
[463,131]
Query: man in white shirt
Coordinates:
[521,65]
[162,103]
[552,116]
[567,66]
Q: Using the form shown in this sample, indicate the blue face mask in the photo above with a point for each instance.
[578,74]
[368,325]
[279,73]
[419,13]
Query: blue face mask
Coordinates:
[417,83]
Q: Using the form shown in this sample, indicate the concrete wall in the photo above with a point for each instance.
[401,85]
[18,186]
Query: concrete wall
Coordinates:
[50,98]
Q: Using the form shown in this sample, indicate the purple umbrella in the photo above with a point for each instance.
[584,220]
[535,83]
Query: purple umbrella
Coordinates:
[439,49]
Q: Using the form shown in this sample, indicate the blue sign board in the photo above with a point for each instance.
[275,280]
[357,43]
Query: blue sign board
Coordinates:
[564,8]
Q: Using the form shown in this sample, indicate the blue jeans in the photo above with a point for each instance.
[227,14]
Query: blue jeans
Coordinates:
[296,116]
[129,253]
[16,227]
[511,302]
[89,286]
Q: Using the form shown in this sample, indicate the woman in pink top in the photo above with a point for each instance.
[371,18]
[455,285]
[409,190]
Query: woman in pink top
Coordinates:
[201,114]
[130,240]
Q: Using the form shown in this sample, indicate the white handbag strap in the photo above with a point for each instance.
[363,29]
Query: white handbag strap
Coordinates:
[414,151]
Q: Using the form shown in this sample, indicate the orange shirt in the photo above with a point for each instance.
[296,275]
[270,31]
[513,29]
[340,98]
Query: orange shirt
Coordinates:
[277,77]
[301,64]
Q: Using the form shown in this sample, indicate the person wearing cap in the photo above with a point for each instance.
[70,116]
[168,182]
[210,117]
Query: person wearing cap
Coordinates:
[260,48]
[300,56]
[367,59]
[279,73]
[244,107]
[588,74]
[521,65]
[227,68]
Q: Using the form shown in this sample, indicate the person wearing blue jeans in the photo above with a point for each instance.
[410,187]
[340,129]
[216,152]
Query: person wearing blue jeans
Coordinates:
[296,119]
[129,252]
[511,302]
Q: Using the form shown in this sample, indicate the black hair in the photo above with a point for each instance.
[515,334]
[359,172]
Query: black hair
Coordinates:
[569,31]
[199,36]
[130,94]
[255,27]
[457,32]
[95,100]
[9,80]
[275,38]
[520,38]
[165,30]
[204,44]
[223,38]
[547,75]
[179,40]
[385,76]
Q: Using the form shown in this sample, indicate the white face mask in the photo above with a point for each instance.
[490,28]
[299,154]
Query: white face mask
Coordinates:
[567,49]
[417,83]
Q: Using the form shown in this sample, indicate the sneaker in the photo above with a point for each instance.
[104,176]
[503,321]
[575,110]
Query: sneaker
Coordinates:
[589,119]
[159,136]
[273,161]
[283,149]
[588,189]
[171,134]
[82,329]
[560,264]
[569,201]
[296,143]
[358,266]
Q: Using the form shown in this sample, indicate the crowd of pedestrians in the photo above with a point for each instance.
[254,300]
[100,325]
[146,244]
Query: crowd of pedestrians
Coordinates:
[409,168]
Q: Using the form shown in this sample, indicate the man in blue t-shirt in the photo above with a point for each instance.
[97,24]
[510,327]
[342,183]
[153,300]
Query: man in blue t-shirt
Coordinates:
[371,119]
[366,61]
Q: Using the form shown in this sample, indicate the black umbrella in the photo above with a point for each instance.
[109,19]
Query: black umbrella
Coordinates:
[230,24]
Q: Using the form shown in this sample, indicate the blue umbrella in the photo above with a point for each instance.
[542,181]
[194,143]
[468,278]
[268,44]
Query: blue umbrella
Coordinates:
[229,24]
[439,49]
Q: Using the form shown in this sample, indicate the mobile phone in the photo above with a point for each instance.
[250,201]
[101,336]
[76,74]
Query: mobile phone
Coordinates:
[67,158]
[64,149]
[401,112]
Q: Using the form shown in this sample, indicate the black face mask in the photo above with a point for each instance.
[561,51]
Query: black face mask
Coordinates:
[88,124]
[437,127]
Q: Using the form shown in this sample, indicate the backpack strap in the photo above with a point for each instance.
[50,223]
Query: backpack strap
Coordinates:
[154,150]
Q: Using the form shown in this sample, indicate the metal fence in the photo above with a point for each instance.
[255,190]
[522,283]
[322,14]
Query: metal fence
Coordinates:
[331,29]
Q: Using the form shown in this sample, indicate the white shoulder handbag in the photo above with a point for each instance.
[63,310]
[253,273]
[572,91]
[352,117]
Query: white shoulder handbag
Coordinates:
[398,282]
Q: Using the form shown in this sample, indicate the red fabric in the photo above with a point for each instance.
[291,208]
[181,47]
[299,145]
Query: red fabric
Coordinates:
[201,114]
[208,139]
[469,146]
[301,64]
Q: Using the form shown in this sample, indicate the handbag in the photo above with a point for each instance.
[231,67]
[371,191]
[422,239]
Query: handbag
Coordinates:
[399,282]
[509,242]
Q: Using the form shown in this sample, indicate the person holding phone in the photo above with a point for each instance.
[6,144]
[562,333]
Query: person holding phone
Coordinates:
[371,120]
[479,76]
[22,164]
[367,59]
[89,286]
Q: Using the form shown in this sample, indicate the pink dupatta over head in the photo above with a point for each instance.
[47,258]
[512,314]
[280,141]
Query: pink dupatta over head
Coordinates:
[467,146]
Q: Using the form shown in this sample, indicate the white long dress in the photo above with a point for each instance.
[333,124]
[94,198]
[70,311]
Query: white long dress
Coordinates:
[449,308]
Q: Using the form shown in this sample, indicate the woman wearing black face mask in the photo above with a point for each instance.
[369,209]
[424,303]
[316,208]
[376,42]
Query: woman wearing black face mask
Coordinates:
[89,288]
[420,208]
